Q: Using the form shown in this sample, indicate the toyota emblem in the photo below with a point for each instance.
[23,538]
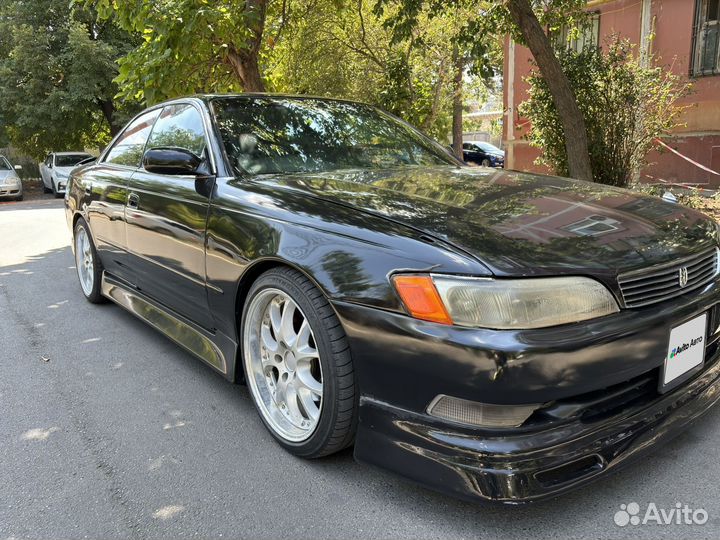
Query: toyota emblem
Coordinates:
[683,276]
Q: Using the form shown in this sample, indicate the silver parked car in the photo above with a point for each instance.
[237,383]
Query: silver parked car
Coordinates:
[56,168]
[10,183]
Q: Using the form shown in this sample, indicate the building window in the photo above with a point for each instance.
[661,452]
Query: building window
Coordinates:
[706,60]
[594,226]
[587,35]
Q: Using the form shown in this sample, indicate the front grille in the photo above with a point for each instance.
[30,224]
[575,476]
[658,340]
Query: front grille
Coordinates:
[656,284]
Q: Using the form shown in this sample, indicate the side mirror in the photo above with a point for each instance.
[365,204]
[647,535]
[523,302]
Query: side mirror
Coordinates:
[18,167]
[171,160]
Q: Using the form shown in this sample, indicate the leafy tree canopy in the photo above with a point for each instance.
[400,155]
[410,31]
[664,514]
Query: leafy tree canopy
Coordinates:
[347,50]
[57,67]
[188,46]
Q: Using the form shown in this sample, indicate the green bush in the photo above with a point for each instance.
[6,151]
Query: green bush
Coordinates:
[626,107]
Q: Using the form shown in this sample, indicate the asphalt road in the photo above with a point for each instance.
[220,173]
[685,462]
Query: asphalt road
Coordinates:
[109,430]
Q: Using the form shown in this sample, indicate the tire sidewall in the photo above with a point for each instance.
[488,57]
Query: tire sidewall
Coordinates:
[328,414]
[95,295]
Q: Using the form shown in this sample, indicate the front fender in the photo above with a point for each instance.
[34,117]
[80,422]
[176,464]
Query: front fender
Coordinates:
[347,253]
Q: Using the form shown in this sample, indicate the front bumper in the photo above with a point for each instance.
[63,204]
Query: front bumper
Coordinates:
[403,363]
[10,191]
[524,467]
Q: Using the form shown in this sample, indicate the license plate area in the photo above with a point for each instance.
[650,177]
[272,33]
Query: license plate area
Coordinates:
[685,353]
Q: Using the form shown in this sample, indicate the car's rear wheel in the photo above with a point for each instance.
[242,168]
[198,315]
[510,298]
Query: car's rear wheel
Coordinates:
[297,365]
[87,263]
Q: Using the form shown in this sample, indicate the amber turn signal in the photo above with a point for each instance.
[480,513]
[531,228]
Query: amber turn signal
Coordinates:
[421,298]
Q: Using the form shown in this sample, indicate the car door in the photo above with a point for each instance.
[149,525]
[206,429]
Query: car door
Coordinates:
[166,219]
[105,190]
[474,154]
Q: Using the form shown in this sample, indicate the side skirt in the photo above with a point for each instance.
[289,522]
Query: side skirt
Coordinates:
[216,349]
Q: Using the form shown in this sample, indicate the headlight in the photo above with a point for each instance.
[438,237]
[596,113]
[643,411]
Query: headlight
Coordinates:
[504,303]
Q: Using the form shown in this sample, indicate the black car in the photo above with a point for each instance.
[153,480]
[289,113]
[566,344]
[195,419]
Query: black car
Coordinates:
[483,153]
[491,334]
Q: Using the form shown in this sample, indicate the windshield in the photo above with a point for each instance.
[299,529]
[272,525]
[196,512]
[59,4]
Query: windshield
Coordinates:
[70,160]
[4,165]
[487,147]
[295,135]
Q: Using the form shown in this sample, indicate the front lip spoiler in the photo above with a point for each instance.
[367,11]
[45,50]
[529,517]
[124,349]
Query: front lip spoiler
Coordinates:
[520,467]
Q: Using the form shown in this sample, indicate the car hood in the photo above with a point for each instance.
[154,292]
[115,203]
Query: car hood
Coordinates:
[7,174]
[517,223]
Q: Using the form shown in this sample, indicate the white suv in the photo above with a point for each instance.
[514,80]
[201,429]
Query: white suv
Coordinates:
[56,168]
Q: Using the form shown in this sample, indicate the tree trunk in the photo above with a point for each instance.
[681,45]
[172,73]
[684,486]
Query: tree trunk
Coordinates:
[243,58]
[576,140]
[246,68]
[457,103]
[108,109]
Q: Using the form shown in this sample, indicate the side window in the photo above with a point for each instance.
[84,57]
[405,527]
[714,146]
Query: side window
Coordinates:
[129,148]
[180,126]
[466,146]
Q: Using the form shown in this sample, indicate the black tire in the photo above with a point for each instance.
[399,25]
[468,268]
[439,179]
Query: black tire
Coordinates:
[45,188]
[94,296]
[19,198]
[486,162]
[337,424]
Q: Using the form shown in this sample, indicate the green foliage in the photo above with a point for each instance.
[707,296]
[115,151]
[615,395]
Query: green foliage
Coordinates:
[483,19]
[187,46]
[345,49]
[72,71]
[626,106]
[56,73]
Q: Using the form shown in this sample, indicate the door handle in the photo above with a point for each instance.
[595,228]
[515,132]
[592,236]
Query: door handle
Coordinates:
[133,200]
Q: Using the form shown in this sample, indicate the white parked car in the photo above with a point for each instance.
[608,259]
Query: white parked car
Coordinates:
[10,184]
[56,168]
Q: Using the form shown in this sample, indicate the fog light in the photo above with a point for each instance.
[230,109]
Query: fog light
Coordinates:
[472,413]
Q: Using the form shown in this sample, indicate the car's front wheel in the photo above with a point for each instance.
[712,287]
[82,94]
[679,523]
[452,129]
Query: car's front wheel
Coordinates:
[486,162]
[54,189]
[297,365]
[89,268]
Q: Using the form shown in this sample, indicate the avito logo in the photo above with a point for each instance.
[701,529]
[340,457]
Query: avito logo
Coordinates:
[682,514]
[685,346]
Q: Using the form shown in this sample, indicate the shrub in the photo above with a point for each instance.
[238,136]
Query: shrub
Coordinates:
[626,106]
